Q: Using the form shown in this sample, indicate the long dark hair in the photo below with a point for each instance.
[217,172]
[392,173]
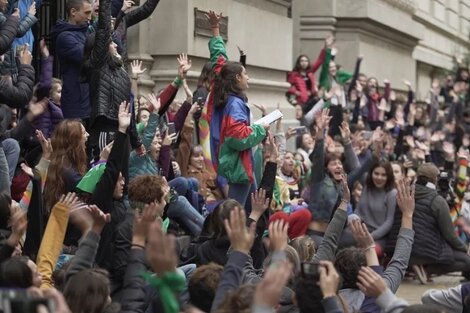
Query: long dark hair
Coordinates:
[389,184]
[297,67]
[206,76]
[226,83]
[15,273]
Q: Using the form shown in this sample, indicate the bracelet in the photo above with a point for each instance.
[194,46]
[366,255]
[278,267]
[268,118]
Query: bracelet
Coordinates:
[138,246]
[178,81]
[369,247]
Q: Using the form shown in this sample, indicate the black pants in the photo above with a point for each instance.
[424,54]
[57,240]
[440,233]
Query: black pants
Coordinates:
[461,264]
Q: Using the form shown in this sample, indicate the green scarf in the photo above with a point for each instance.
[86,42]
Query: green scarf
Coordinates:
[167,285]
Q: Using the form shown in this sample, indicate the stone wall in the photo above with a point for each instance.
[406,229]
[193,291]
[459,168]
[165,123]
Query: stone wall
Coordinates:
[400,39]
[260,27]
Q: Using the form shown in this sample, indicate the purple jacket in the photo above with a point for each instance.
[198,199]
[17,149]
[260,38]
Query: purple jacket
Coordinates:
[53,115]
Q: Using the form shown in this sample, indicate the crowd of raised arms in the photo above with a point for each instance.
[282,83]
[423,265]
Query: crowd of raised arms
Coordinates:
[113,201]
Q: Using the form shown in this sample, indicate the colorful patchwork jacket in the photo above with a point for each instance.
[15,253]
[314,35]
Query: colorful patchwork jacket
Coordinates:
[237,138]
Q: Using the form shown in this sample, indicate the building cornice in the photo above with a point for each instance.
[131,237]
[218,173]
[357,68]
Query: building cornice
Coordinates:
[408,6]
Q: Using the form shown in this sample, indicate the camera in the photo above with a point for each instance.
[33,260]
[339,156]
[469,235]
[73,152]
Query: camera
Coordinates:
[311,270]
[20,301]
[445,189]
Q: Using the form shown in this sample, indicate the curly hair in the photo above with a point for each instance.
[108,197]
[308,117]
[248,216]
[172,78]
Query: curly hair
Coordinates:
[203,284]
[226,82]
[147,188]
[69,153]
[305,247]
[348,264]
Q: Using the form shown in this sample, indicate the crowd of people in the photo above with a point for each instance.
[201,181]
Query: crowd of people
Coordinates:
[114,201]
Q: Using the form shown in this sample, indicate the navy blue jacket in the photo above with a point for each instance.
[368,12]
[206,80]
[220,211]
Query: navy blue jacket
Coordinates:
[69,42]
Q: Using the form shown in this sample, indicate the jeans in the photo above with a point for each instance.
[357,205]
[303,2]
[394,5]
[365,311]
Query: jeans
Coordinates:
[241,193]
[12,153]
[184,187]
[186,215]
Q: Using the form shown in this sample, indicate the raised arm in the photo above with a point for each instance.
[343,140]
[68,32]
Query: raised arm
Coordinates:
[105,187]
[141,13]
[45,79]
[18,95]
[8,31]
[241,240]
[27,21]
[53,239]
[216,43]
[357,69]
[327,249]
[395,271]
[317,157]
[99,54]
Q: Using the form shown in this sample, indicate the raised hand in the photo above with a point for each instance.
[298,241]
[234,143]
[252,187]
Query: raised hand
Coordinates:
[406,197]
[449,150]
[329,279]
[271,148]
[142,221]
[278,235]
[160,250]
[329,40]
[407,83]
[345,132]
[184,65]
[169,138]
[126,5]
[290,132]
[259,204]
[370,283]
[16,13]
[28,170]
[32,8]
[422,146]
[187,91]
[154,101]
[361,234]
[268,291]
[240,237]
[323,119]
[36,109]
[46,145]
[213,18]
[136,65]
[44,49]
[261,108]
[104,155]
[99,219]
[124,116]
[346,197]
[25,55]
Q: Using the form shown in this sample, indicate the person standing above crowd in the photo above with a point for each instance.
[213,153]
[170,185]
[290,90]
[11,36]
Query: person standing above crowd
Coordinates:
[69,38]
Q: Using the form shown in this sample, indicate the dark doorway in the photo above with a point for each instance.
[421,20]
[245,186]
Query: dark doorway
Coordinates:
[51,11]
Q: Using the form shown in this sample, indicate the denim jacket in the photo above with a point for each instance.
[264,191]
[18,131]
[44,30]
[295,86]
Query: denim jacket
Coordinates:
[324,191]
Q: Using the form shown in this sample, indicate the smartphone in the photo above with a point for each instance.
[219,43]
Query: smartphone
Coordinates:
[172,130]
[300,130]
[311,270]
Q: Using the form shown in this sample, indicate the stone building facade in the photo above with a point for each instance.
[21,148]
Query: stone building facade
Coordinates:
[399,39]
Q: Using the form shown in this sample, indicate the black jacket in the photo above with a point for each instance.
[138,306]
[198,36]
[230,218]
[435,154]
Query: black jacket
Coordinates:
[109,82]
[430,243]
[18,95]
[126,20]
[8,30]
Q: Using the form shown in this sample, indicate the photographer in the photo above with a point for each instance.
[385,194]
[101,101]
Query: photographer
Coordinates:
[436,243]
